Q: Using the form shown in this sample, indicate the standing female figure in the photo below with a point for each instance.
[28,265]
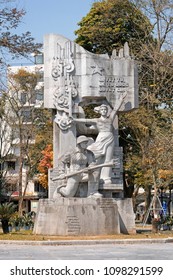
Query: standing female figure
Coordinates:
[103,147]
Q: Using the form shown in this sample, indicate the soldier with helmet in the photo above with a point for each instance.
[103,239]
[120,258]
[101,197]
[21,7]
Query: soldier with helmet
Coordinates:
[78,160]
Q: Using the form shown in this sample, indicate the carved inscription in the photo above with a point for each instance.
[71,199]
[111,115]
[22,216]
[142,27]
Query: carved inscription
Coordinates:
[106,203]
[73,225]
[112,84]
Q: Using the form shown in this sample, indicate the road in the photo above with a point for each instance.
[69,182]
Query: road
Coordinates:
[158,251]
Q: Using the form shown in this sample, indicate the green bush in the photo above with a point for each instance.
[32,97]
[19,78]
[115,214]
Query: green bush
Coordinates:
[7,209]
[27,219]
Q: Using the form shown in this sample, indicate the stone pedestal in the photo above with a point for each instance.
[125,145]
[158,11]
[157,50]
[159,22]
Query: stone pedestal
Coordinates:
[82,216]
[126,216]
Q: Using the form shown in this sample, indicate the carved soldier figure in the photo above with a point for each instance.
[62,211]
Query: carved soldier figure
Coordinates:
[77,162]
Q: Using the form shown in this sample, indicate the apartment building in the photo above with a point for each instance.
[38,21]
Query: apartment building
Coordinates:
[26,103]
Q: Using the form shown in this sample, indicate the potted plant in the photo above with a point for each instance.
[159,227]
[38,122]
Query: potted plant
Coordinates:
[166,223]
[27,221]
[17,221]
[10,226]
[169,222]
[7,209]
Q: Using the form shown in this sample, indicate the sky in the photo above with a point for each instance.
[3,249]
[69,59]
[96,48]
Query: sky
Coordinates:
[53,16]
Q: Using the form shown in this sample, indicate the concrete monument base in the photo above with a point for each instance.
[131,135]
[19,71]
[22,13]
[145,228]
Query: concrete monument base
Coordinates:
[83,216]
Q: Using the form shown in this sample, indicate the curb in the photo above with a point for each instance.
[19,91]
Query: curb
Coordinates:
[88,242]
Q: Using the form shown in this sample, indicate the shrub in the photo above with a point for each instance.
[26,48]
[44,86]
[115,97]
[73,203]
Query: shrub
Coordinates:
[7,209]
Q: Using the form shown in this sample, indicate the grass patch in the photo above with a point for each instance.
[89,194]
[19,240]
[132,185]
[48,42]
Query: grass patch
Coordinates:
[28,235]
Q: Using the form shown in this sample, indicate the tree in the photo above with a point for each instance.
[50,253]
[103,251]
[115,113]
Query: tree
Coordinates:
[45,163]
[156,58]
[12,44]
[6,139]
[43,136]
[30,122]
[21,93]
[111,23]
[155,89]
[160,14]
[148,149]
[6,211]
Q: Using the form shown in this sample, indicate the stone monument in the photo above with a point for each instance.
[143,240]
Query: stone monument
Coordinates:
[86,193]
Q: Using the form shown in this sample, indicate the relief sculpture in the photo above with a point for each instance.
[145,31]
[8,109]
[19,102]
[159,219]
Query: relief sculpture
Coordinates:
[65,87]
[76,79]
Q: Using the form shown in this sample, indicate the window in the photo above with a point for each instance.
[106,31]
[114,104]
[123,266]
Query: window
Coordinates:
[11,165]
[26,115]
[41,76]
[38,187]
[15,133]
[11,187]
[32,98]
[23,98]
[39,58]
[27,97]
[39,95]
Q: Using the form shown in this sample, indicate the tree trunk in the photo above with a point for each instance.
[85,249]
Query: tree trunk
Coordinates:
[134,196]
[24,192]
[155,226]
[5,226]
[155,211]
[20,173]
[147,201]
[20,185]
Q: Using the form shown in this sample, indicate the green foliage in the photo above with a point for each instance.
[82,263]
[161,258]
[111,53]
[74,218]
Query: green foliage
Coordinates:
[167,220]
[7,209]
[89,112]
[110,24]
[43,131]
[148,150]
[16,220]
[20,221]
[27,219]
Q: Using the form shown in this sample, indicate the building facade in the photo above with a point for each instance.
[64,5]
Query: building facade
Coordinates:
[21,105]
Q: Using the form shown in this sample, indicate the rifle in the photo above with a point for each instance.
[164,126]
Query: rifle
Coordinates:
[87,169]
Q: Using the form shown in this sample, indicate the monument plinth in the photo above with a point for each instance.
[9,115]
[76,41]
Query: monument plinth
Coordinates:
[87,177]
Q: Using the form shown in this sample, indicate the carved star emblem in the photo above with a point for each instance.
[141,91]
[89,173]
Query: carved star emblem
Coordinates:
[97,70]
